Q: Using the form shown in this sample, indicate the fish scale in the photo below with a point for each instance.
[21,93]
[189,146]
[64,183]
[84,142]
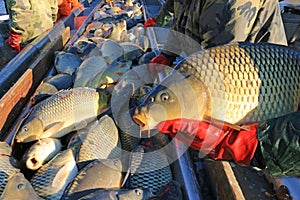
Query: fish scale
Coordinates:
[101,142]
[51,179]
[149,169]
[6,169]
[8,165]
[101,173]
[66,101]
[248,82]
[65,111]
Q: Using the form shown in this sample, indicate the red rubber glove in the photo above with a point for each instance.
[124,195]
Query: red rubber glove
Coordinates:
[14,40]
[158,63]
[218,143]
[64,8]
[150,22]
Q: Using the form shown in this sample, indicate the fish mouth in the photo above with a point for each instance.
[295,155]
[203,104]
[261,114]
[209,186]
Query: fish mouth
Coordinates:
[142,120]
[17,139]
[31,138]
[32,163]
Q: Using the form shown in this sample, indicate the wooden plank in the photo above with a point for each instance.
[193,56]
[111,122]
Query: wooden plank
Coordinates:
[16,97]
[17,92]
[253,183]
[223,181]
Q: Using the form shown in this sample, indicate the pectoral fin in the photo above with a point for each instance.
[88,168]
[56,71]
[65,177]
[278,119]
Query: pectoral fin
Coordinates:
[60,176]
[80,125]
[52,129]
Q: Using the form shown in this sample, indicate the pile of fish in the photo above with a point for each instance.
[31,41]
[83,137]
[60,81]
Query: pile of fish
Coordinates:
[79,140]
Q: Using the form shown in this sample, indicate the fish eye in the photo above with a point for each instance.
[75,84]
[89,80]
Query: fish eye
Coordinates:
[138,192]
[164,96]
[20,186]
[25,128]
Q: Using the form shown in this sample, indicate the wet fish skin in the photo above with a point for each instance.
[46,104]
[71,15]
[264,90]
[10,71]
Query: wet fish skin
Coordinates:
[100,142]
[19,188]
[101,173]
[173,98]
[8,165]
[111,51]
[51,85]
[239,83]
[51,179]
[66,62]
[110,75]
[62,113]
[131,50]
[87,69]
[128,129]
[41,152]
[5,148]
[149,167]
[121,194]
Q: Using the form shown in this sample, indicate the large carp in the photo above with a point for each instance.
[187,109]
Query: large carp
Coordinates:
[65,111]
[237,83]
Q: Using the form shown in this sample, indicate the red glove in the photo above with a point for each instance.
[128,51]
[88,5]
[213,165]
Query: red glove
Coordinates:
[158,63]
[223,144]
[14,40]
[64,8]
[150,22]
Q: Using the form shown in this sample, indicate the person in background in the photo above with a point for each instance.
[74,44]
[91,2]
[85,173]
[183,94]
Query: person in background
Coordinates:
[217,22]
[66,6]
[164,16]
[28,19]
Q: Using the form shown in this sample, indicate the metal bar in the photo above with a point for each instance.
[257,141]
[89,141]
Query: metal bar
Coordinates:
[183,171]
[79,32]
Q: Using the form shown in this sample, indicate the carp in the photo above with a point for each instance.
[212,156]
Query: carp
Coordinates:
[149,167]
[111,51]
[51,85]
[101,173]
[18,188]
[110,75]
[238,83]
[100,142]
[8,165]
[63,112]
[41,152]
[87,69]
[66,62]
[51,179]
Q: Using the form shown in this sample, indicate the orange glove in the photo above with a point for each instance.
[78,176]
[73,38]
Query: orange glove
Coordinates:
[76,4]
[221,144]
[158,63]
[14,40]
[150,22]
[64,8]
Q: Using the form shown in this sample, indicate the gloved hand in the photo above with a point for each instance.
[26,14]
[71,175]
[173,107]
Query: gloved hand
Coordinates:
[222,143]
[64,8]
[14,40]
[76,4]
[150,22]
[158,63]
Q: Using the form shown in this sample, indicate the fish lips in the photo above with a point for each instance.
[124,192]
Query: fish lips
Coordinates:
[33,163]
[142,120]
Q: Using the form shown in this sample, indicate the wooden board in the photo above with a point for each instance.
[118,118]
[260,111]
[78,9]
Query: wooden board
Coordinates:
[222,180]
[16,97]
